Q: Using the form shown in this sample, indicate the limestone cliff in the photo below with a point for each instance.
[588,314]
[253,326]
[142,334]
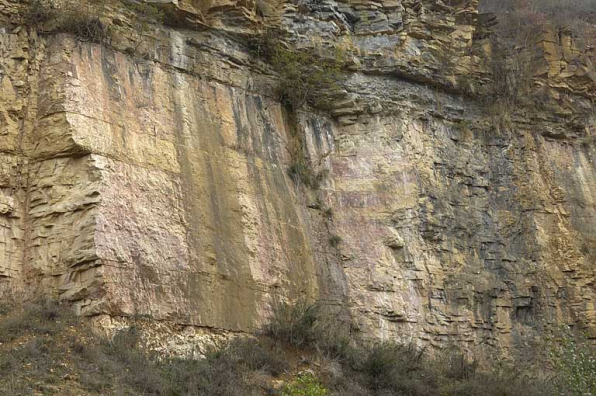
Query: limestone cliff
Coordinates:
[149,175]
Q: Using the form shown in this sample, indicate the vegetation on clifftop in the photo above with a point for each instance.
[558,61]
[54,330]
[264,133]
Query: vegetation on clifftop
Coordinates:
[87,20]
[518,17]
[516,61]
[303,72]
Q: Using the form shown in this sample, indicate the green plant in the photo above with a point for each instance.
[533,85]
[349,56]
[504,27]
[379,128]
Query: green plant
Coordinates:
[510,65]
[305,385]
[498,383]
[42,344]
[250,355]
[47,345]
[84,21]
[446,58]
[575,364]
[303,72]
[514,61]
[335,240]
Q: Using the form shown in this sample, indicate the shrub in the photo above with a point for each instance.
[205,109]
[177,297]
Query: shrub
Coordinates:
[388,364]
[578,15]
[293,324]
[83,21]
[43,348]
[575,364]
[305,385]
[306,325]
[84,27]
[28,350]
[35,356]
[455,365]
[521,24]
[510,66]
[38,12]
[223,371]
[303,72]
[301,172]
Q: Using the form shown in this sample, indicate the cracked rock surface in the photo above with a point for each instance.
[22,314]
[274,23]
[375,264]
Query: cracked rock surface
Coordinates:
[159,186]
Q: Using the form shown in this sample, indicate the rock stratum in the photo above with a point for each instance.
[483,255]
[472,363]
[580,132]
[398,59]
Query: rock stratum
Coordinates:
[150,176]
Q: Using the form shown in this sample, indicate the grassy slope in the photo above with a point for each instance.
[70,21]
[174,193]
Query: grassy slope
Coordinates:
[45,351]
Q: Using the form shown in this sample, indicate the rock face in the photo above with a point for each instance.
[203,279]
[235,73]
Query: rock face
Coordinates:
[159,186]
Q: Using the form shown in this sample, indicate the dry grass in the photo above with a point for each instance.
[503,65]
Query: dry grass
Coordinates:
[388,368]
[46,350]
[518,17]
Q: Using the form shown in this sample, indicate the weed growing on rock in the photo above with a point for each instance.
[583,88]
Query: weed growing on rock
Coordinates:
[303,72]
[84,27]
[576,15]
[335,240]
[514,60]
[511,69]
[86,21]
[38,12]
[82,21]
[301,172]
[328,213]
[301,169]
